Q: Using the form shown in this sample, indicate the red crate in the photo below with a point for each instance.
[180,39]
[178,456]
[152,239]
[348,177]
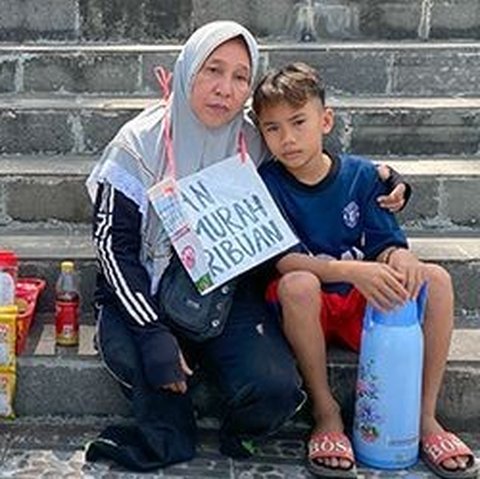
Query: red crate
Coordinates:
[27,292]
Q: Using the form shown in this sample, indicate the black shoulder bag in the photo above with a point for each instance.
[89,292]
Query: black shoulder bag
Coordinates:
[196,317]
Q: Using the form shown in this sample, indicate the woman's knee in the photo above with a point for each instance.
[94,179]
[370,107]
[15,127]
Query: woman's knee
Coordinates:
[280,389]
[298,287]
[262,405]
[116,346]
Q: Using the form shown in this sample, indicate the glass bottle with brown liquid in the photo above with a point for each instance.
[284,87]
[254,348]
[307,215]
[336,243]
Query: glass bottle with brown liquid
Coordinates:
[67,306]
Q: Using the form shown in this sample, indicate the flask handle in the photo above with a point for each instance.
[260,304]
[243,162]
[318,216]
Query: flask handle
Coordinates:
[422,302]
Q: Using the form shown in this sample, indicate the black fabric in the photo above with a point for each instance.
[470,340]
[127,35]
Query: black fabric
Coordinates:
[194,316]
[126,446]
[164,432]
[117,220]
[116,236]
[250,362]
[394,180]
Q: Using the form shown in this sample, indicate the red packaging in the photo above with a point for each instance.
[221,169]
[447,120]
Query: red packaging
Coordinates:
[66,323]
[27,293]
[8,277]
[67,306]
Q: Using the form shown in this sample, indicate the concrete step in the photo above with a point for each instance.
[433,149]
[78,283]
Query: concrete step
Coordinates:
[375,125]
[42,249]
[145,20]
[55,445]
[51,188]
[446,192]
[40,340]
[393,68]
[65,381]
[44,189]
[40,253]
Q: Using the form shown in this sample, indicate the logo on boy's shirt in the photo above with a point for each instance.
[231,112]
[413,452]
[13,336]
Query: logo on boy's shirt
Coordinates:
[353,253]
[351,214]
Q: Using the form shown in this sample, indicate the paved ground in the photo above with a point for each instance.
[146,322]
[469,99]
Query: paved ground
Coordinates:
[31,450]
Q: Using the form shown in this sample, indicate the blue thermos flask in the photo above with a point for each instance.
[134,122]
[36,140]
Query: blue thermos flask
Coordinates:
[389,385]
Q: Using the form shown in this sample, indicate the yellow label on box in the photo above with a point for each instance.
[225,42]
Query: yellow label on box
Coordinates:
[7,341]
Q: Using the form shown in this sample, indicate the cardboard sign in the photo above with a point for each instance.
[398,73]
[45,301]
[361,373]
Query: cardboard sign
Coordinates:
[230,211]
[166,199]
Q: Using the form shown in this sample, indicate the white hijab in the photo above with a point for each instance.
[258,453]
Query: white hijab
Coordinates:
[136,158]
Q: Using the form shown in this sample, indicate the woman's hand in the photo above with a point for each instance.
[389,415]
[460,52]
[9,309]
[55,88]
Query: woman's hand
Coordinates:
[398,197]
[180,386]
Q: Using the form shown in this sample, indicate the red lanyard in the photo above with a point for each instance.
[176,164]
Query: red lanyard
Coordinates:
[242,146]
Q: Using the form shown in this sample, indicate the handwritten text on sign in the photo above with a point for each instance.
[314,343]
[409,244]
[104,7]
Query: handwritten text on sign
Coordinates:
[234,217]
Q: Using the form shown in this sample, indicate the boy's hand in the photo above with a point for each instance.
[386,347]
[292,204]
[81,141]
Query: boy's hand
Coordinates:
[403,261]
[397,198]
[380,284]
[180,386]
[395,201]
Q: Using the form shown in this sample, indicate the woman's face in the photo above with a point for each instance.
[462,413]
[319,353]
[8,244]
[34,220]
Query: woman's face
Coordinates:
[222,85]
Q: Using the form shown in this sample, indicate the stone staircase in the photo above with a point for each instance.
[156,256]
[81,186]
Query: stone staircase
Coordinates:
[403,76]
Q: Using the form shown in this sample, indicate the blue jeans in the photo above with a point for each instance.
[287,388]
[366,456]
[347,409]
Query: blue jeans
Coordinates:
[250,362]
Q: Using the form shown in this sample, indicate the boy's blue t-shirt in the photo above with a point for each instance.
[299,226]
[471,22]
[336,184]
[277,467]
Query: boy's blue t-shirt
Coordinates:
[338,217]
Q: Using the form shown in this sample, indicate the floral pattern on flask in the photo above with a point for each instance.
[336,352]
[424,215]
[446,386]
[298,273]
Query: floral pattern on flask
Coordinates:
[367,416]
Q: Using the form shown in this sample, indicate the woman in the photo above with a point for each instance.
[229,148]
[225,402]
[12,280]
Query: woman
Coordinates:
[203,123]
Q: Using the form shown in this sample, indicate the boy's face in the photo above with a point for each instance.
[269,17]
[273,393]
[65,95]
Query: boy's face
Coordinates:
[295,135]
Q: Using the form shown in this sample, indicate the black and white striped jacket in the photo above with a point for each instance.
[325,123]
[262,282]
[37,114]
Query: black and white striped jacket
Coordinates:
[123,281]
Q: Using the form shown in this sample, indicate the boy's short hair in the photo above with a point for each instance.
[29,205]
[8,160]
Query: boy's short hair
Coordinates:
[294,83]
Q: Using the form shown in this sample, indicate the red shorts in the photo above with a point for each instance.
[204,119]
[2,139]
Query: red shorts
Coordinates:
[341,316]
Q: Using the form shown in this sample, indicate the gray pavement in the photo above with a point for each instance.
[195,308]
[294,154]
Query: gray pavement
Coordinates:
[38,450]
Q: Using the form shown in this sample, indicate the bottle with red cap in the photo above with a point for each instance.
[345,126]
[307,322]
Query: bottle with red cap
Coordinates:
[67,306]
[8,277]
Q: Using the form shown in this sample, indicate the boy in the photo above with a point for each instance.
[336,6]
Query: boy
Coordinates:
[330,203]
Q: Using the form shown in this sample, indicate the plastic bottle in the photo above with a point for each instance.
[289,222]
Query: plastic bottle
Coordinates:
[8,277]
[389,384]
[67,306]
